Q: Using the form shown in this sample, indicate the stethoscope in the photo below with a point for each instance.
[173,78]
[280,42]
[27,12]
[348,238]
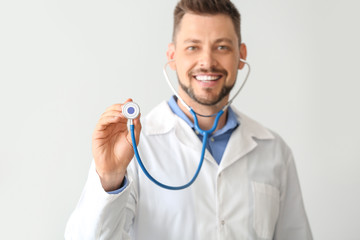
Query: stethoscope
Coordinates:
[131,111]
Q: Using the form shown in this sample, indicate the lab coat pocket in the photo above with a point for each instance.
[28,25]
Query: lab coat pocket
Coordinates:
[266,209]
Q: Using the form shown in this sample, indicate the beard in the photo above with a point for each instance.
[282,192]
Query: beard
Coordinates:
[211,101]
[225,90]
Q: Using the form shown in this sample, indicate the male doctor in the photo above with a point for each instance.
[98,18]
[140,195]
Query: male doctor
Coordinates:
[248,186]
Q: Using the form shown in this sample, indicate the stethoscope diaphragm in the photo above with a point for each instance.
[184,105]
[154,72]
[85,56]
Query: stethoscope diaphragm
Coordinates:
[131,110]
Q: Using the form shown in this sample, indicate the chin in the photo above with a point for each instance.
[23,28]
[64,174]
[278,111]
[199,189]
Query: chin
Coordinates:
[208,97]
[207,101]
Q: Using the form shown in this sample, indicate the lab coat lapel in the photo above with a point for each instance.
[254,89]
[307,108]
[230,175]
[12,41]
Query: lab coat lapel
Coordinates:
[238,146]
[187,137]
[243,140]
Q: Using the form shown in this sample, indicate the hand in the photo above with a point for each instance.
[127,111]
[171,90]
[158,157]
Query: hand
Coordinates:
[112,146]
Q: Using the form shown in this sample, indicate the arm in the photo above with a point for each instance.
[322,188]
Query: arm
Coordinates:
[100,215]
[292,223]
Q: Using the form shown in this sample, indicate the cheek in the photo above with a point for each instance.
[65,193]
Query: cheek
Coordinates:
[183,70]
[229,62]
[232,69]
[181,74]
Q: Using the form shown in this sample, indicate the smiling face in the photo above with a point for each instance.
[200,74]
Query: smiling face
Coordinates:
[206,52]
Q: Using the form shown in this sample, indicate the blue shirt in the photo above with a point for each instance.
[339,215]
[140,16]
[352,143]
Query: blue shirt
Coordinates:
[217,141]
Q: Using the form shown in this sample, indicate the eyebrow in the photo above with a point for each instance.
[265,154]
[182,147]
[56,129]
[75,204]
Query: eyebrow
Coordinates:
[228,40]
[192,40]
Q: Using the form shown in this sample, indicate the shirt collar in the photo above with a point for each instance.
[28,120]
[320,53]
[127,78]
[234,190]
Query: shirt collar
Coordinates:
[231,123]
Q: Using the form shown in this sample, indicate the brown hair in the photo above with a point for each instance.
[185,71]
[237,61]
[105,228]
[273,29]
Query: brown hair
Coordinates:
[203,7]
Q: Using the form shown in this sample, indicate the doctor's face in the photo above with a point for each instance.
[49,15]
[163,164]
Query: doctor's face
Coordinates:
[206,52]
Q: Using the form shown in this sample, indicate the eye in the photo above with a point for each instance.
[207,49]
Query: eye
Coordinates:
[191,48]
[222,47]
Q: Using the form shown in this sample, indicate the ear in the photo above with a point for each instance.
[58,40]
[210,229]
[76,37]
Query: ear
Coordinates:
[243,55]
[170,54]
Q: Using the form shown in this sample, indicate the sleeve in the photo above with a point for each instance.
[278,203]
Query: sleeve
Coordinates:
[124,184]
[100,215]
[292,223]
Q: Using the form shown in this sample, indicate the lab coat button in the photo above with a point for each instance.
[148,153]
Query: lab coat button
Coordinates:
[222,222]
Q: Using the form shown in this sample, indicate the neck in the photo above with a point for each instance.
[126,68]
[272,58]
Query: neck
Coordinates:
[205,123]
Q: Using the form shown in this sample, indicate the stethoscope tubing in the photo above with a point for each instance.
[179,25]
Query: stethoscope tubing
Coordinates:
[143,168]
[204,133]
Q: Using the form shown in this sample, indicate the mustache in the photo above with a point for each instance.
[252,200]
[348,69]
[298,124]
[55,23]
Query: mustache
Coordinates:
[208,70]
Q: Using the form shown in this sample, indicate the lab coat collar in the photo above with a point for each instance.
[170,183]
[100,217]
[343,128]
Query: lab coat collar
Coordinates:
[162,120]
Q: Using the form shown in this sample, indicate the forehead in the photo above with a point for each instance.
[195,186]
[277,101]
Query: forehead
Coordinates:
[205,27]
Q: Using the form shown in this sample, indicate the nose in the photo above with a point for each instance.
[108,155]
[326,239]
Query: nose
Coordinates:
[207,59]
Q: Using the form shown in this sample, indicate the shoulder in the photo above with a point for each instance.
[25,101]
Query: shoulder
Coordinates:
[159,120]
[263,136]
[252,128]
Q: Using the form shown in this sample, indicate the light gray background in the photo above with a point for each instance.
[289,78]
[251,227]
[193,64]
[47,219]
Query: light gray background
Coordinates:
[63,62]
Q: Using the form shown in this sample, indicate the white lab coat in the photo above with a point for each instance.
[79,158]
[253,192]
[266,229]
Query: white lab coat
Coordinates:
[253,194]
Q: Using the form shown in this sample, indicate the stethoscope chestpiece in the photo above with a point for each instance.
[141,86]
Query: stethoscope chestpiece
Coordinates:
[131,110]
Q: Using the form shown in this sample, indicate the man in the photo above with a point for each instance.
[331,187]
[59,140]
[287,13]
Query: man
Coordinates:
[248,186]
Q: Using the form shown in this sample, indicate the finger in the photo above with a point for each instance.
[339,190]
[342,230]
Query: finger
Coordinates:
[112,113]
[118,107]
[105,121]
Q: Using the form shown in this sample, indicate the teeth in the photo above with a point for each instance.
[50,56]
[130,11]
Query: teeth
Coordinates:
[206,78]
